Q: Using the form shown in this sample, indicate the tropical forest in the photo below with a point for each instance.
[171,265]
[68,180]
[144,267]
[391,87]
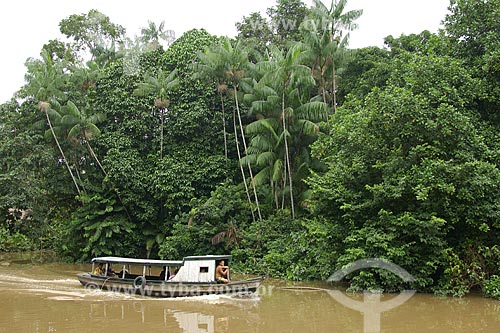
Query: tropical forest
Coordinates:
[281,146]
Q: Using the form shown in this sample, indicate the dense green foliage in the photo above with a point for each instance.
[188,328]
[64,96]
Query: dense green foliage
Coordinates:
[283,147]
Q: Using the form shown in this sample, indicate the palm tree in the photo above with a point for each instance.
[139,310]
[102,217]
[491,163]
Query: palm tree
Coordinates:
[152,34]
[211,66]
[332,22]
[82,128]
[230,235]
[86,77]
[266,148]
[105,56]
[325,56]
[264,152]
[160,86]
[334,19]
[285,70]
[45,80]
[57,115]
[226,65]
[285,114]
[235,63]
[317,53]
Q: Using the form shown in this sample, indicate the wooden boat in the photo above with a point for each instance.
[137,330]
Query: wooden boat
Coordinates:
[194,275]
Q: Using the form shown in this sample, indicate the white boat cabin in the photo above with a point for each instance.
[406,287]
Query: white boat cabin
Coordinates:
[197,269]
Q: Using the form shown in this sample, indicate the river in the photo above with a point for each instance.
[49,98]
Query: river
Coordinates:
[47,297]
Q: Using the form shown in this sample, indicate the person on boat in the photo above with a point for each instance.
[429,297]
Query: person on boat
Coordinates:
[222,272]
[123,273]
[99,270]
[164,273]
[110,272]
[170,277]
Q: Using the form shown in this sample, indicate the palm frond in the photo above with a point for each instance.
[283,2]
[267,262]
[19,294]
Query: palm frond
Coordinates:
[314,111]
[69,120]
[308,127]
[248,159]
[266,158]
[91,131]
[55,117]
[262,143]
[72,109]
[75,131]
[218,238]
[277,170]
[263,176]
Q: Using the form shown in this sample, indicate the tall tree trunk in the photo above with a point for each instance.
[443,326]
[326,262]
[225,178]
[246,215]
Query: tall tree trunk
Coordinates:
[95,157]
[334,87]
[223,124]
[275,191]
[319,66]
[162,111]
[245,147]
[75,165]
[283,182]
[161,212]
[241,166]
[323,83]
[61,151]
[287,154]
[334,74]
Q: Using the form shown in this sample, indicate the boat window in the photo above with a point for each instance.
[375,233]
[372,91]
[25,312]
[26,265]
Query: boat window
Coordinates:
[203,269]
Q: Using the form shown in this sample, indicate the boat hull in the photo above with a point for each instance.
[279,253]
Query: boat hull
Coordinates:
[166,288]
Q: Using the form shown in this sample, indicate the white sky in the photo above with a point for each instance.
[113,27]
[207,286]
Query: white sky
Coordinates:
[26,25]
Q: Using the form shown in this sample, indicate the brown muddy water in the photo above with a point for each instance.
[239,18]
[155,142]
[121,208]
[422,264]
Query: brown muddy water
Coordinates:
[47,297]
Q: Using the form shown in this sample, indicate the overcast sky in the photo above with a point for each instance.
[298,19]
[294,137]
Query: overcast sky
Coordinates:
[26,25]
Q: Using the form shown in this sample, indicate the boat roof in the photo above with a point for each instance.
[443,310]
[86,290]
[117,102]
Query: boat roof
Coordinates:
[210,257]
[136,261]
[157,262]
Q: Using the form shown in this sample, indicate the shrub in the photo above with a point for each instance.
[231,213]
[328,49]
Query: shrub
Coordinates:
[491,287]
[14,242]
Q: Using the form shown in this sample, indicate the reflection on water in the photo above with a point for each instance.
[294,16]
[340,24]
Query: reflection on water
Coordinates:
[48,298]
